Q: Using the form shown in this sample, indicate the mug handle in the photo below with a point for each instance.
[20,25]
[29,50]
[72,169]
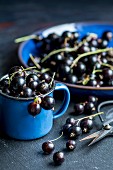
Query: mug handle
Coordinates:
[64,106]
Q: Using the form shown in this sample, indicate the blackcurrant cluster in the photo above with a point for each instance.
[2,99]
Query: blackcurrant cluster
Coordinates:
[46,103]
[63,55]
[88,107]
[25,83]
[72,129]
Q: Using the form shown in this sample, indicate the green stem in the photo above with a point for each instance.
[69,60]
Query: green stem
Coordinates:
[25,38]
[57,138]
[107,65]
[96,71]
[91,116]
[52,79]
[36,64]
[45,70]
[88,54]
[67,49]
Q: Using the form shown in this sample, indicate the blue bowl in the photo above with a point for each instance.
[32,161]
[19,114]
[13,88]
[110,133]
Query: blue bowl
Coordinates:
[29,46]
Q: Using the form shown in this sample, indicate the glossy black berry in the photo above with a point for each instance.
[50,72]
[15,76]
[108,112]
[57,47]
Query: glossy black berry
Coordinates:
[107,74]
[66,34]
[86,125]
[48,147]
[43,87]
[33,85]
[74,132]
[65,128]
[78,109]
[34,109]
[46,77]
[26,92]
[71,121]
[90,108]
[93,99]
[47,103]
[75,35]
[92,82]
[71,79]
[108,35]
[80,68]
[16,71]
[70,145]
[58,158]
[17,83]
[31,77]
[64,70]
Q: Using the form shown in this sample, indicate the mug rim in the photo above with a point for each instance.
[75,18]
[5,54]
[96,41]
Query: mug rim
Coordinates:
[25,99]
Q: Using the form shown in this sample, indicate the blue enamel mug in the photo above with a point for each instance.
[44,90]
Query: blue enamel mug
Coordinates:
[19,124]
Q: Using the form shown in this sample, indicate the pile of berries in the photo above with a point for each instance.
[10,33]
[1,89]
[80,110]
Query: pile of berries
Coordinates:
[72,129]
[64,55]
[26,83]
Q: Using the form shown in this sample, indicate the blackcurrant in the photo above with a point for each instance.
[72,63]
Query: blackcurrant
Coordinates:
[74,132]
[93,99]
[17,83]
[48,102]
[34,108]
[71,121]
[46,77]
[43,87]
[78,109]
[31,77]
[65,128]
[48,147]
[17,71]
[71,79]
[58,158]
[90,108]
[70,145]
[86,125]
[108,35]
[26,92]
[33,85]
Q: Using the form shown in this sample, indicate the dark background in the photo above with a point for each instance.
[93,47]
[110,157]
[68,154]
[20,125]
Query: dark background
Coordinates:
[19,18]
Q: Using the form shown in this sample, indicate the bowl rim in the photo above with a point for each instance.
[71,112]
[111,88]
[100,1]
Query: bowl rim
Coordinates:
[21,46]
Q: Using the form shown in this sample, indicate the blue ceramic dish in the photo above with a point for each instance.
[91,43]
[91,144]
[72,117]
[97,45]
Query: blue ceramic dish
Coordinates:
[29,47]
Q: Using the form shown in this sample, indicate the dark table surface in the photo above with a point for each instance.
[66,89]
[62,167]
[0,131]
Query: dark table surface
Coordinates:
[20,18]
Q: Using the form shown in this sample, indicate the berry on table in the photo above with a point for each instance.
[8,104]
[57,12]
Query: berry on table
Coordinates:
[48,147]
[58,158]
[71,121]
[78,109]
[70,145]
[86,125]
[74,132]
